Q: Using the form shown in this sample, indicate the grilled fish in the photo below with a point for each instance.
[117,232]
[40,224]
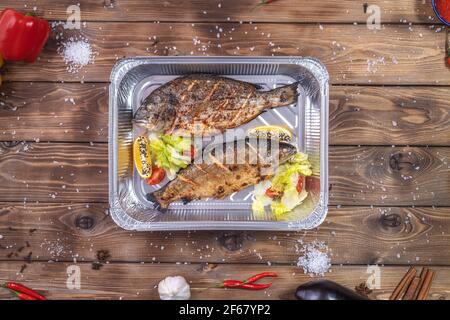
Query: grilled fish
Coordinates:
[224,170]
[203,104]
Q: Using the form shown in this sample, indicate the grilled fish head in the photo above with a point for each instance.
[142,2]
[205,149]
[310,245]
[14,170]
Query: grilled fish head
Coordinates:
[155,115]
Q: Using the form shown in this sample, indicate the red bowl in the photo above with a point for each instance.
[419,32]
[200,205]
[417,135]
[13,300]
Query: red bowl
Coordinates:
[436,12]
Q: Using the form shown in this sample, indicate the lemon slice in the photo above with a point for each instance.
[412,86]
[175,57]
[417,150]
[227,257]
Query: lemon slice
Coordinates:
[142,157]
[271,132]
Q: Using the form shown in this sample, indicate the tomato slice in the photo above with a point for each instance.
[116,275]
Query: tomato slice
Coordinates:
[192,152]
[300,184]
[158,175]
[271,193]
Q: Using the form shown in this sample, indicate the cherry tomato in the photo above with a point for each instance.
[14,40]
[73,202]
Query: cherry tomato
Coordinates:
[300,184]
[192,152]
[158,175]
[448,61]
[271,193]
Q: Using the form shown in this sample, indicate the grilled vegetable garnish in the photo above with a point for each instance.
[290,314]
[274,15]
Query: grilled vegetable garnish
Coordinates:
[285,190]
[157,176]
[217,178]
[142,157]
[203,104]
[168,153]
[271,132]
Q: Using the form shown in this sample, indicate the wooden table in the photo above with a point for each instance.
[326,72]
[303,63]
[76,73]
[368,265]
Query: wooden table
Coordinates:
[389,149]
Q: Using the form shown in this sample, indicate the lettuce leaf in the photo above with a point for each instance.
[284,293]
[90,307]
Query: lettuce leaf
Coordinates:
[167,152]
[285,182]
[260,200]
[284,178]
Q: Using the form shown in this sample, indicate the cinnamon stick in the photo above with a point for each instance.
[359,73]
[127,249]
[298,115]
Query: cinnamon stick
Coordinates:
[412,289]
[423,273]
[403,285]
[425,289]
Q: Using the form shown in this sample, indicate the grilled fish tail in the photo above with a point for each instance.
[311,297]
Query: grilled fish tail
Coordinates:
[282,96]
[156,204]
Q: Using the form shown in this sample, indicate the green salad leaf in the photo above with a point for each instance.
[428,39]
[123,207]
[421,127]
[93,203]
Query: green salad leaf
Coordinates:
[168,151]
[261,200]
[284,183]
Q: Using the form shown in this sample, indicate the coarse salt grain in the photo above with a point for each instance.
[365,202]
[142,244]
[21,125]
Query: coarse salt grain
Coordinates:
[315,260]
[76,54]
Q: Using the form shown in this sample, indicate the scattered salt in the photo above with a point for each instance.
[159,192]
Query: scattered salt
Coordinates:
[315,260]
[77,53]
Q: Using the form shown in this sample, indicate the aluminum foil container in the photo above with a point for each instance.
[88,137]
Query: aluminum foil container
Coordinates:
[133,79]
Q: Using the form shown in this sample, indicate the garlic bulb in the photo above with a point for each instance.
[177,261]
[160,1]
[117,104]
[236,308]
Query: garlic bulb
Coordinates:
[174,288]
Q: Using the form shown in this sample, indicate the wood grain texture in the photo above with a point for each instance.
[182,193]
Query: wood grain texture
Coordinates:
[139,281]
[54,112]
[54,195]
[383,176]
[353,54]
[389,115]
[54,172]
[347,11]
[63,232]
[363,115]
[77,172]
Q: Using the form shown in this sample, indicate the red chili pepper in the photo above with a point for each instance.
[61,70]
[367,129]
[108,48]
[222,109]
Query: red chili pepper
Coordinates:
[233,284]
[263,3]
[20,288]
[260,276]
[22,37]
[24,296]
[255,286]
[249,283]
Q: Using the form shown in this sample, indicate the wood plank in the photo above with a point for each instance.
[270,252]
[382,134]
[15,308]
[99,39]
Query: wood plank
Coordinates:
[389,115]
[77,172]
[294,11]
[352,53]
[389,176]
[54,172]
[63,232]
[363,115]
[54,112]
[139,281]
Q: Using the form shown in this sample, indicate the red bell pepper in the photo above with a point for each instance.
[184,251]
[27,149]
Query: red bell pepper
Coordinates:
[1,65]
[22,37]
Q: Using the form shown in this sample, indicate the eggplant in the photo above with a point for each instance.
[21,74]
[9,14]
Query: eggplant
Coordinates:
[326,290]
